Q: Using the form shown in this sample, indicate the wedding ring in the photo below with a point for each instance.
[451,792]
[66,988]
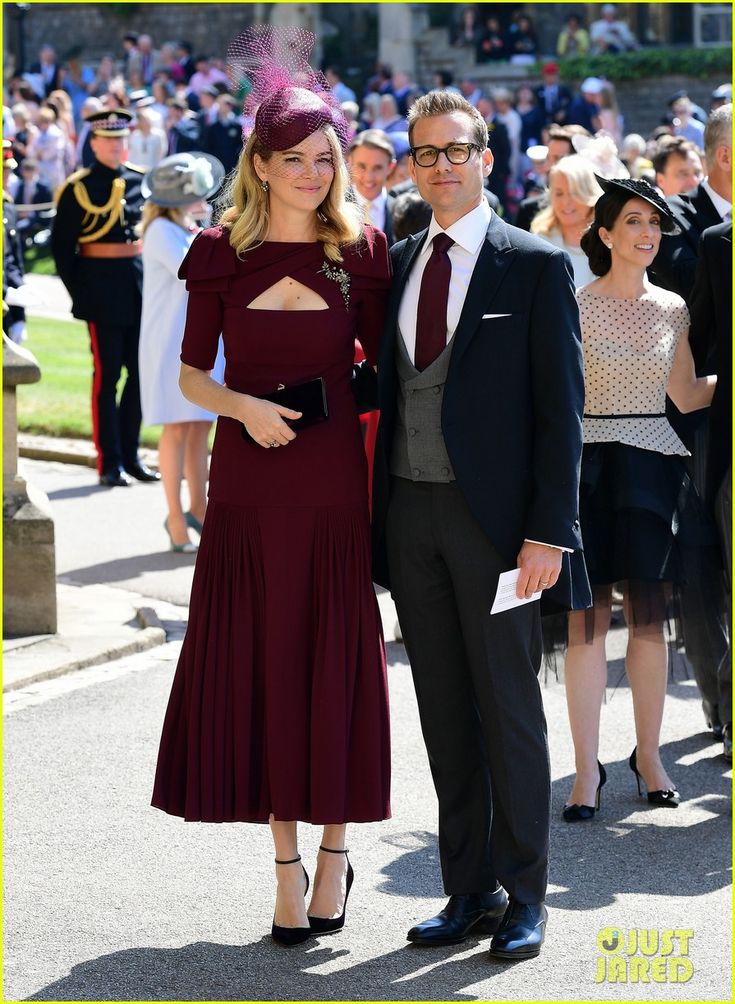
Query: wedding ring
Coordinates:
[544,584]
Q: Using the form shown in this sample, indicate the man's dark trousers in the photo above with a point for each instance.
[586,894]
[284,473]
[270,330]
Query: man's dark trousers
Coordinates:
[477,689]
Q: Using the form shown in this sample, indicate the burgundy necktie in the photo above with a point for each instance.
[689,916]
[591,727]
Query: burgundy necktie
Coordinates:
[431,316]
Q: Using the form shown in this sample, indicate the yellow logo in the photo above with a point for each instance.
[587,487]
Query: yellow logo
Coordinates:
[642,955]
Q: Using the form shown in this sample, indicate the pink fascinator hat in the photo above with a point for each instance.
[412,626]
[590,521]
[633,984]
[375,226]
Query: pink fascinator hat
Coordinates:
[287,97]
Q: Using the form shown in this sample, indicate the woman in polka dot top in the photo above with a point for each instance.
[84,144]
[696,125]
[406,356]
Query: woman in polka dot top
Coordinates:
[635,494]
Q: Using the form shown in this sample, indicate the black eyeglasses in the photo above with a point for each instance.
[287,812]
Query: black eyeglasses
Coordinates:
[456,153]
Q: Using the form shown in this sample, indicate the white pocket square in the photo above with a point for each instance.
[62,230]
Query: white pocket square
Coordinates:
[489,317]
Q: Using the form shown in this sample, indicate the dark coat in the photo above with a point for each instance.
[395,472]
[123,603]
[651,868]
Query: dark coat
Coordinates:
[676,262]
[710,338]
[513,401]
[224,141]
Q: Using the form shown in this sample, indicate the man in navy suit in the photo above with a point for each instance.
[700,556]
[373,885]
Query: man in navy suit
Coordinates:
[476,473]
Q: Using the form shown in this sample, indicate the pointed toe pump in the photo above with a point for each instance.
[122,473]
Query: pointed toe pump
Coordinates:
[667,797]
[328,925]
[290,936]
[576,813]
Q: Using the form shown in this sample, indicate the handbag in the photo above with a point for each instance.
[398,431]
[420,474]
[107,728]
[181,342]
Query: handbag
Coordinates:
[310,398]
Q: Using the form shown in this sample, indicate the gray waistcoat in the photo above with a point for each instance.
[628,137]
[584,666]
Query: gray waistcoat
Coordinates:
[418,451]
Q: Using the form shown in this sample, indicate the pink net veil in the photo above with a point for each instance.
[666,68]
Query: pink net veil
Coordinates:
[287,98]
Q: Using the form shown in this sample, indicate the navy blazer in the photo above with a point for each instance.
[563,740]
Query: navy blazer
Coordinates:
[513,402]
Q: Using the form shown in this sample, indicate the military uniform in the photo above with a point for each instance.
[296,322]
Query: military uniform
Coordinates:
[98,257]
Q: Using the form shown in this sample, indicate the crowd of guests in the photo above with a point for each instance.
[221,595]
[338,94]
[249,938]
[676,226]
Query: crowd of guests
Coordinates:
[518,44]
[645,225]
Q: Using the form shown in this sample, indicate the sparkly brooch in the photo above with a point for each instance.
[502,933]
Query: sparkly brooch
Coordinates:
[341,277]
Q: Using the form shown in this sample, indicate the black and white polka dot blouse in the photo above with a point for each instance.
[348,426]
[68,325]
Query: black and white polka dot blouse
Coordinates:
[629,348]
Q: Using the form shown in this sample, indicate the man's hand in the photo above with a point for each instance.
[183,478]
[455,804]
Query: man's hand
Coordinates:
[540,566]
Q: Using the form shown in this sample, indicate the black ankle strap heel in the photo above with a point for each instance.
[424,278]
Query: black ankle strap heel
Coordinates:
[291,935]
[329,925]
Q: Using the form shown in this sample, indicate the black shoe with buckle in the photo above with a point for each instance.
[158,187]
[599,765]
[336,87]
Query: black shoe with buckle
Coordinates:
[140,472]
[521,934]
[481,912]
[115,477]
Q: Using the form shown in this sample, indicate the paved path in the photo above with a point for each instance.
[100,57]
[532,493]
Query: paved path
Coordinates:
[108,899]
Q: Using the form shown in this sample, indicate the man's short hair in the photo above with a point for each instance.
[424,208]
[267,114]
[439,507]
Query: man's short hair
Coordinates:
[410,214]
[437,103]
[670,146]
[375,139]
[717,132]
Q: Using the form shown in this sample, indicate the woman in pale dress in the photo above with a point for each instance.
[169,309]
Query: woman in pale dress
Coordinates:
[638,508]
[572,194]
[177,190]
[148,143]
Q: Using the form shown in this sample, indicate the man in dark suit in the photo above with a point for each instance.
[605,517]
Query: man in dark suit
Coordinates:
[710,337]
[223,139]
[553,97]
[674,268]
[184,132]
[707,205]
[47,70]
[370,159]
[32,192]
[476,472]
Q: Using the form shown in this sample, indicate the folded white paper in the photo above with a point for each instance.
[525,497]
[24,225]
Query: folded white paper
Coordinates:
[505,597]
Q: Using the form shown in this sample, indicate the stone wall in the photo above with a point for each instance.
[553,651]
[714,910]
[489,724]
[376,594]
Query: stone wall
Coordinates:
[99,27]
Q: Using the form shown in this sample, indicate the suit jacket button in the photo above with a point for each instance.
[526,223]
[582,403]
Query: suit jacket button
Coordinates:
[436,390]
[416,472]
[413,432]
[445,472]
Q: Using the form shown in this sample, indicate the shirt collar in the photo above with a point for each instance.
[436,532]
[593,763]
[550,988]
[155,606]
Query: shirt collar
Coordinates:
[721,205]
[469,231]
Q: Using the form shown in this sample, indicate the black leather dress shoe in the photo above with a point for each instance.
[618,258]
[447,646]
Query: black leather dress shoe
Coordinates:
[481,911]
[142,473]
[115,477]
[521,934]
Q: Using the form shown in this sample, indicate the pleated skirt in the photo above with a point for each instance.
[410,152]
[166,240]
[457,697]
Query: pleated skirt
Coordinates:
[279,704]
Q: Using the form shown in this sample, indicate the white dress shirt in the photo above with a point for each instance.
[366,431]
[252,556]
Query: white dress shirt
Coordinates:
[376,209]
[723,207]
[468,234]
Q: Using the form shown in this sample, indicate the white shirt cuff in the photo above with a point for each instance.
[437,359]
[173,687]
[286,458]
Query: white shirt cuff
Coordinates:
[569,550]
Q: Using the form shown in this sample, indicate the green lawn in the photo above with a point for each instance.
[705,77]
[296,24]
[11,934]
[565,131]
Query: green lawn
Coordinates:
[59,405]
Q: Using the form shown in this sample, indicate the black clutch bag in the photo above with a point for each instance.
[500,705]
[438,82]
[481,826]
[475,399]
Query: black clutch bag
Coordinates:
[309,398]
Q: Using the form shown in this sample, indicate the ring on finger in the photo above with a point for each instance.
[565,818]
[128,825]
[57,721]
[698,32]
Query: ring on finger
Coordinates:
[544,584]
[273,442]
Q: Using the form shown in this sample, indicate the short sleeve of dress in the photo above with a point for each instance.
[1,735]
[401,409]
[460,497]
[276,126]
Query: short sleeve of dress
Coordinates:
[369,266]
[208,269]
[681,319]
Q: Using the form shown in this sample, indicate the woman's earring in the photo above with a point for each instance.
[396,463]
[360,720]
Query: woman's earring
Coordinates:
[610,246]
[264,185]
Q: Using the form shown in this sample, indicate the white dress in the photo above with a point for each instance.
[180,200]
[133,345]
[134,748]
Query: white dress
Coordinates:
[583,274]
[162,328]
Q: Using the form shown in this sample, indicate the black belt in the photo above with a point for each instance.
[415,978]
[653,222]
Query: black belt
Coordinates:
[649,414]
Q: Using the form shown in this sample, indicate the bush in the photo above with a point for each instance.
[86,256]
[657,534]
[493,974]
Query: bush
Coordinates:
[698,63]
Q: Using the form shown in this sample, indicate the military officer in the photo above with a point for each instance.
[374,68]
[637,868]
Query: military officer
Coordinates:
[98,257]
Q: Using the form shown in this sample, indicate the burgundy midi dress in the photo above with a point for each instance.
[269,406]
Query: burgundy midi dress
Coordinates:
[279,703]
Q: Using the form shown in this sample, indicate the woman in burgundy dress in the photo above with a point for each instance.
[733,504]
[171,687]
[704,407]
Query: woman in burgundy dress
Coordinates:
[279,707]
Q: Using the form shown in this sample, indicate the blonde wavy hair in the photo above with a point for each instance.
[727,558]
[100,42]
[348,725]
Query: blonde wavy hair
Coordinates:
[583,186]
[339,221]
[152,212]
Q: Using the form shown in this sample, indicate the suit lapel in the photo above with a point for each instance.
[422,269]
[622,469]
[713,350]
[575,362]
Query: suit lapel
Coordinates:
[495,258]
